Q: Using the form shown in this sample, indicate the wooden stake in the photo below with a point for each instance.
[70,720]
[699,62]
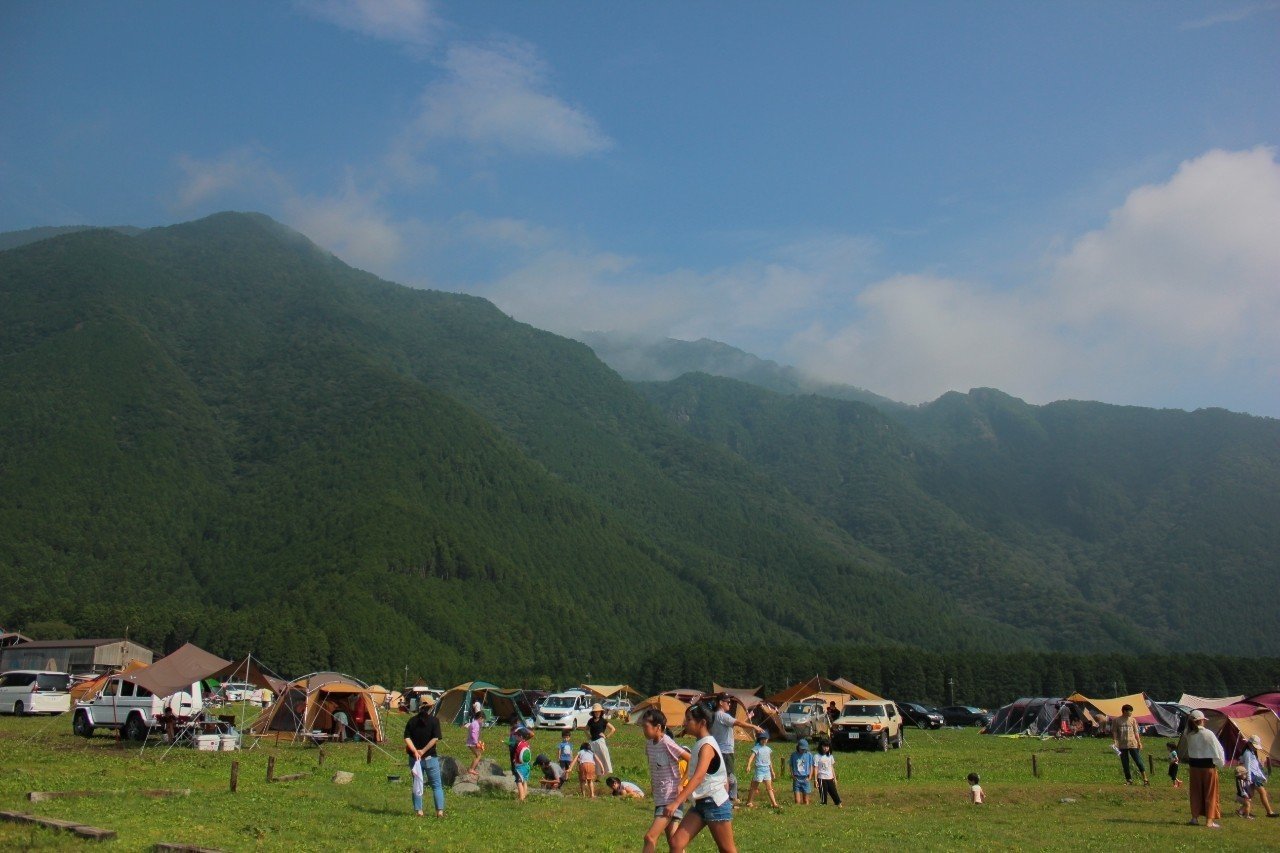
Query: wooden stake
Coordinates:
[908,766]
[271,768]
[235,775]
[321,756]
[1035,768]
[368,754]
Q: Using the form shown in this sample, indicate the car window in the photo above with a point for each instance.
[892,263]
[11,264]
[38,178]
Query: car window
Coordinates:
[4,680]
[20,679]
[126,688]
[143,692]
[55,681]
[113,687]
[863,710]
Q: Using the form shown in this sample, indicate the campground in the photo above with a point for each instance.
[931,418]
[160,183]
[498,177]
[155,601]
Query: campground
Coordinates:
[1078,801]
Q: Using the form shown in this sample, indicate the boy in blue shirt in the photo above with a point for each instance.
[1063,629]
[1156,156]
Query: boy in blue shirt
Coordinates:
[565,754]
[800,763]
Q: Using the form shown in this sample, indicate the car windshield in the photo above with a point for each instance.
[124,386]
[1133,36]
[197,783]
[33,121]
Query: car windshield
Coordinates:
[558,702]
[54,681]
[799,708]
[863,711]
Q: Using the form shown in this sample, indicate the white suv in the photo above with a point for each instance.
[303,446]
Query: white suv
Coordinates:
[868,723]
[132,708]
[568,710]
[34,691]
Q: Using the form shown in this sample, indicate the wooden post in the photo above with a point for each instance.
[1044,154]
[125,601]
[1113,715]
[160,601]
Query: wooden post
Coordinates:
[1035,768]
[368,754]
[235,775]
[908,766]
[321,756]
[271,768]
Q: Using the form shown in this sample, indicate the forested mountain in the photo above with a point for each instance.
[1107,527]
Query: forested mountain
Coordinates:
[218,432]
[1079,520]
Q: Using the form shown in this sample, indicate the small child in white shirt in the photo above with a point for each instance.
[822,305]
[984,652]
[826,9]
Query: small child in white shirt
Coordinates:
[975,790]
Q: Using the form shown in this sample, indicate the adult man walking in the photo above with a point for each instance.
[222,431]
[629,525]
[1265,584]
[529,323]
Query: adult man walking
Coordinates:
[722,726]
[1128,744]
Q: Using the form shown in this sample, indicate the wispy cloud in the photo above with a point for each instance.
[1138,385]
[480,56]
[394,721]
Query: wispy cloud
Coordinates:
[206,179]
[1231,16]
[410,22]
[497,95]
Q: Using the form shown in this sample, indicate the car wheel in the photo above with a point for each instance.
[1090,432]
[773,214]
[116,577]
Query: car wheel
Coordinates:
[902,736]
[134,728]
[18,710]
[80,725]
[884,741]
[920,724]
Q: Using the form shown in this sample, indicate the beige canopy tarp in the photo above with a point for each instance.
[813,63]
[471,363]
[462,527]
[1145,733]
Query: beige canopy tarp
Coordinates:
[838,690]
[176,672]
[249,671]
[1203,704]
[1111,707]
[604,691]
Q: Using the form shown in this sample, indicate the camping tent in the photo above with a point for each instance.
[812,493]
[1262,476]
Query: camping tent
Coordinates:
[455,705]
[306,705]
[1233,731]
[671,707]
[1148,714]
[87,690]
[749,706]
[1028,715]
[379,694]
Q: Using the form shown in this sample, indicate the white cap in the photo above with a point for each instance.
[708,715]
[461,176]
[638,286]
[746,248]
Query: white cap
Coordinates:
[1197,714]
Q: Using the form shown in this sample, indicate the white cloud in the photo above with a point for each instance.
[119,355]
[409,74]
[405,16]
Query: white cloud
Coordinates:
[234,170]
[1180,289]
[411,22]
[497,95]
[353,226]
[1231,16]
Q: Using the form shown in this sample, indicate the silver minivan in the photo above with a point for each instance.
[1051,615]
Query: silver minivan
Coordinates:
[34,691]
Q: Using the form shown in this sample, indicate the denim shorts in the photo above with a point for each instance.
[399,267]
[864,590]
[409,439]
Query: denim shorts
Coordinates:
[802,786]
[711,813]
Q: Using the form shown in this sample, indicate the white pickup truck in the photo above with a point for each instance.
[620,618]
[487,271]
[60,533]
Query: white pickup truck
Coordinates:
[132,708]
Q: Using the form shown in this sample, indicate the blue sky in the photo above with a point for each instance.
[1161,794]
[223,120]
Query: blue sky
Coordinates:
[1057,199]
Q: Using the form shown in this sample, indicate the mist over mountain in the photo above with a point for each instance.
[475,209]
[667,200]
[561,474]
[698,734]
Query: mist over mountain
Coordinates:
[218,432]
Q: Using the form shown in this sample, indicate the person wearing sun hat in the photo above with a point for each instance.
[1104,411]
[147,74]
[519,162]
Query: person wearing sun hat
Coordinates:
[1204,757]
[1256,778]
[599,728]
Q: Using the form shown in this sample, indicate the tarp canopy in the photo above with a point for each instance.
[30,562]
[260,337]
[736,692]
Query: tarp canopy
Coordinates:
[1203,704]
[838,689]
[604,691]
[747,696]
[1111,707]
[178,671]
[1270,701]
[248,670]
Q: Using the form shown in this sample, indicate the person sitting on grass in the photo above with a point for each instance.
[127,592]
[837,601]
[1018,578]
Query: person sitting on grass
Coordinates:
[976,795]
[621,788]
[585,761]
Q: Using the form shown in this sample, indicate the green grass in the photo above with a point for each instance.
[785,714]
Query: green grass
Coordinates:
[882,810]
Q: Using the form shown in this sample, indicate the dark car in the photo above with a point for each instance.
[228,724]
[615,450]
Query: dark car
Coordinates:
[965,715]
[920,716]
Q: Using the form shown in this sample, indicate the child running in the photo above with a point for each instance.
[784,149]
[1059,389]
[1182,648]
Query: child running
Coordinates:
[474,743]
[800,763]
[1173,764]
[824,765]
[665,757]
[585,761]
[762,762]
[976,796]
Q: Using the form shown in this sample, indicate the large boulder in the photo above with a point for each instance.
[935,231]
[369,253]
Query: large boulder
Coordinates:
[449,770]
[502,783]
[466,788]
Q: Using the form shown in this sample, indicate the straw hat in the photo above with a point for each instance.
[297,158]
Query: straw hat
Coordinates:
[597,707]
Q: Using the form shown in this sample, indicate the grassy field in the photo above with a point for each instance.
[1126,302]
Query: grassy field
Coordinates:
[1078,802]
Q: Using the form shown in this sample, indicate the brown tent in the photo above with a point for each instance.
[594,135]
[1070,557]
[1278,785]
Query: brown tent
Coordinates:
[837,689]
[306,705]
[249,671]
[176,672]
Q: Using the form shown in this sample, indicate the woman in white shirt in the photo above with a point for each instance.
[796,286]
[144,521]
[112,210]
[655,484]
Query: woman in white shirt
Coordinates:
[708,787]
[1204,756]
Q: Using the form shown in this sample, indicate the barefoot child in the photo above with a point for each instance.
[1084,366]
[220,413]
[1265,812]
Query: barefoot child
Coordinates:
[585,761]
[474,743]
[761,762]
[976,795]
[622,788]
[800,763]
[565,753]
[665,757]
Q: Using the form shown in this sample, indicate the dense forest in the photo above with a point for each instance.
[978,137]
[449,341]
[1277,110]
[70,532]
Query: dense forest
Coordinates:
[218,432]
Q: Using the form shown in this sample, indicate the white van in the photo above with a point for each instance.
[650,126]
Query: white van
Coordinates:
[568,710]
[132,708]
[34,691]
